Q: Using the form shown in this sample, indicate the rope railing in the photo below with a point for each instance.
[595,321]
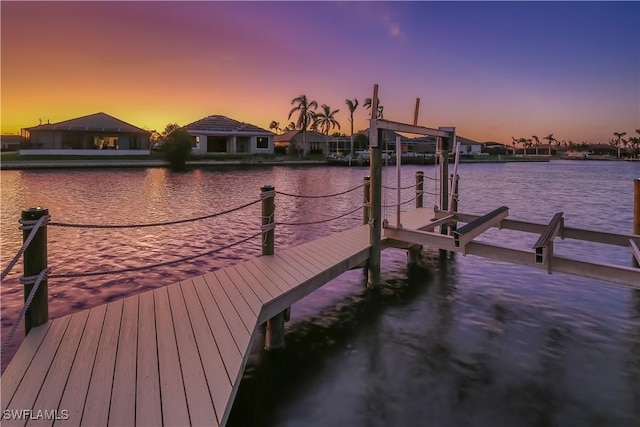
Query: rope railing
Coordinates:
[282,193]
[26,225]
[156,224]
[160,264]
[403,203]
[320,221]
[27,303]
[402,188]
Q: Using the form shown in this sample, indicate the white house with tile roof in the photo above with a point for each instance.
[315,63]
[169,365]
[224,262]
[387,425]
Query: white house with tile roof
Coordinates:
[220,134]
[95,134]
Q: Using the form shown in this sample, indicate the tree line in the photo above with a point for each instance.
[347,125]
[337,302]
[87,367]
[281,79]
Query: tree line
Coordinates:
[323,120]
[618,142]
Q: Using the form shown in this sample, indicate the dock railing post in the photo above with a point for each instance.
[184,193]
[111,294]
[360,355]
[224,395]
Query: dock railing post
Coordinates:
[268,220]
[366,199]
[454,198]
[34,261]
[274,332]
[636,206]
[636,212]
[419,189]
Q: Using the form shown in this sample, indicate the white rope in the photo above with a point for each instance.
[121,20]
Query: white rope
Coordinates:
[26,225]
[267,194]
[27,303]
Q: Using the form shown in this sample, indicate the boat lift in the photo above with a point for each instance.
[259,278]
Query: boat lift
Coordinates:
[453,239]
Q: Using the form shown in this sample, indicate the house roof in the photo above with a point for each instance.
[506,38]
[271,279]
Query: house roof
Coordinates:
[224,125]
[296,135]
[98,122]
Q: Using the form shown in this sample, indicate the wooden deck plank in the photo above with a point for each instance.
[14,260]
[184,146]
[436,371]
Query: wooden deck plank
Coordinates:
[25,396]
[236,274]
[75,391]
[172,393]
[281,277]
[297,263]
[123,395]
[277,266]
[54,384]
[237,299]
[233,320]
[215,372]
[267,279]
[271,289]
[148,404]
[199,403]
[96,409]
[19,365]
[304,255]
[229,350]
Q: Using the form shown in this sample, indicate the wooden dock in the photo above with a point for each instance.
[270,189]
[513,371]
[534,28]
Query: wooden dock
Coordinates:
[175,355]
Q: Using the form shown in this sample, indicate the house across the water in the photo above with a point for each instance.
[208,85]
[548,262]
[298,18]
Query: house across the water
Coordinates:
[95,134]
[220,134]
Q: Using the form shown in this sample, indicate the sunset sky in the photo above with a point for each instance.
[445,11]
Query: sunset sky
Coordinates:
[493,70]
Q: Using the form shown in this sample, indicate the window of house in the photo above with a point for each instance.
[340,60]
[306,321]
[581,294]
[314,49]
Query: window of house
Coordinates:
[262,142]
[196,142]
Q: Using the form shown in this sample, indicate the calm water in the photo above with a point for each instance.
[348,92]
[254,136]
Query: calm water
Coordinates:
[457,342]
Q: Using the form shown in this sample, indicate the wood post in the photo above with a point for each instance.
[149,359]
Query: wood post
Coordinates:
[445,143]
[366,199]
[268,217]
[636,212]
[636,206]
[419,189]
[274,332]
[454,198]
[35,260]
[375,138]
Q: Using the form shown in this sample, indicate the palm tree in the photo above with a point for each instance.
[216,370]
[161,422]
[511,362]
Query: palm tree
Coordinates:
[537,143]
[549,138]
[351,105]
[514,144]
[325,120]
[619,136]
[290,126]
[306,109]
[367,104]
[275,125]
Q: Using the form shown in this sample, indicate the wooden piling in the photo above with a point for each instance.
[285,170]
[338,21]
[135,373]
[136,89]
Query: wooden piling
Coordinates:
[375,166]
[274,331]
[454,198]
[34,261]
[366,199]
[268,217]
[445,143]
[636,206]
[419,189]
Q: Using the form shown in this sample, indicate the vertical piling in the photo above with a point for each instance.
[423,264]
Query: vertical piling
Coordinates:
[636,206]
[34,261]
[636,212]
[366,199]
[274,331]
[419,189]
[375,139]
[445,143]
[454,198]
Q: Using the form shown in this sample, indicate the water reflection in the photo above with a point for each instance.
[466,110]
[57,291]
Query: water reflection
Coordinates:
[461,341]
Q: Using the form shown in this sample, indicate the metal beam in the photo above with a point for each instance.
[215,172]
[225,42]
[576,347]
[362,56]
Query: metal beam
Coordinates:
[606,272]
[465,234]
[403,127]
[420,238]
[567,232]
[635,250]
[544,245]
